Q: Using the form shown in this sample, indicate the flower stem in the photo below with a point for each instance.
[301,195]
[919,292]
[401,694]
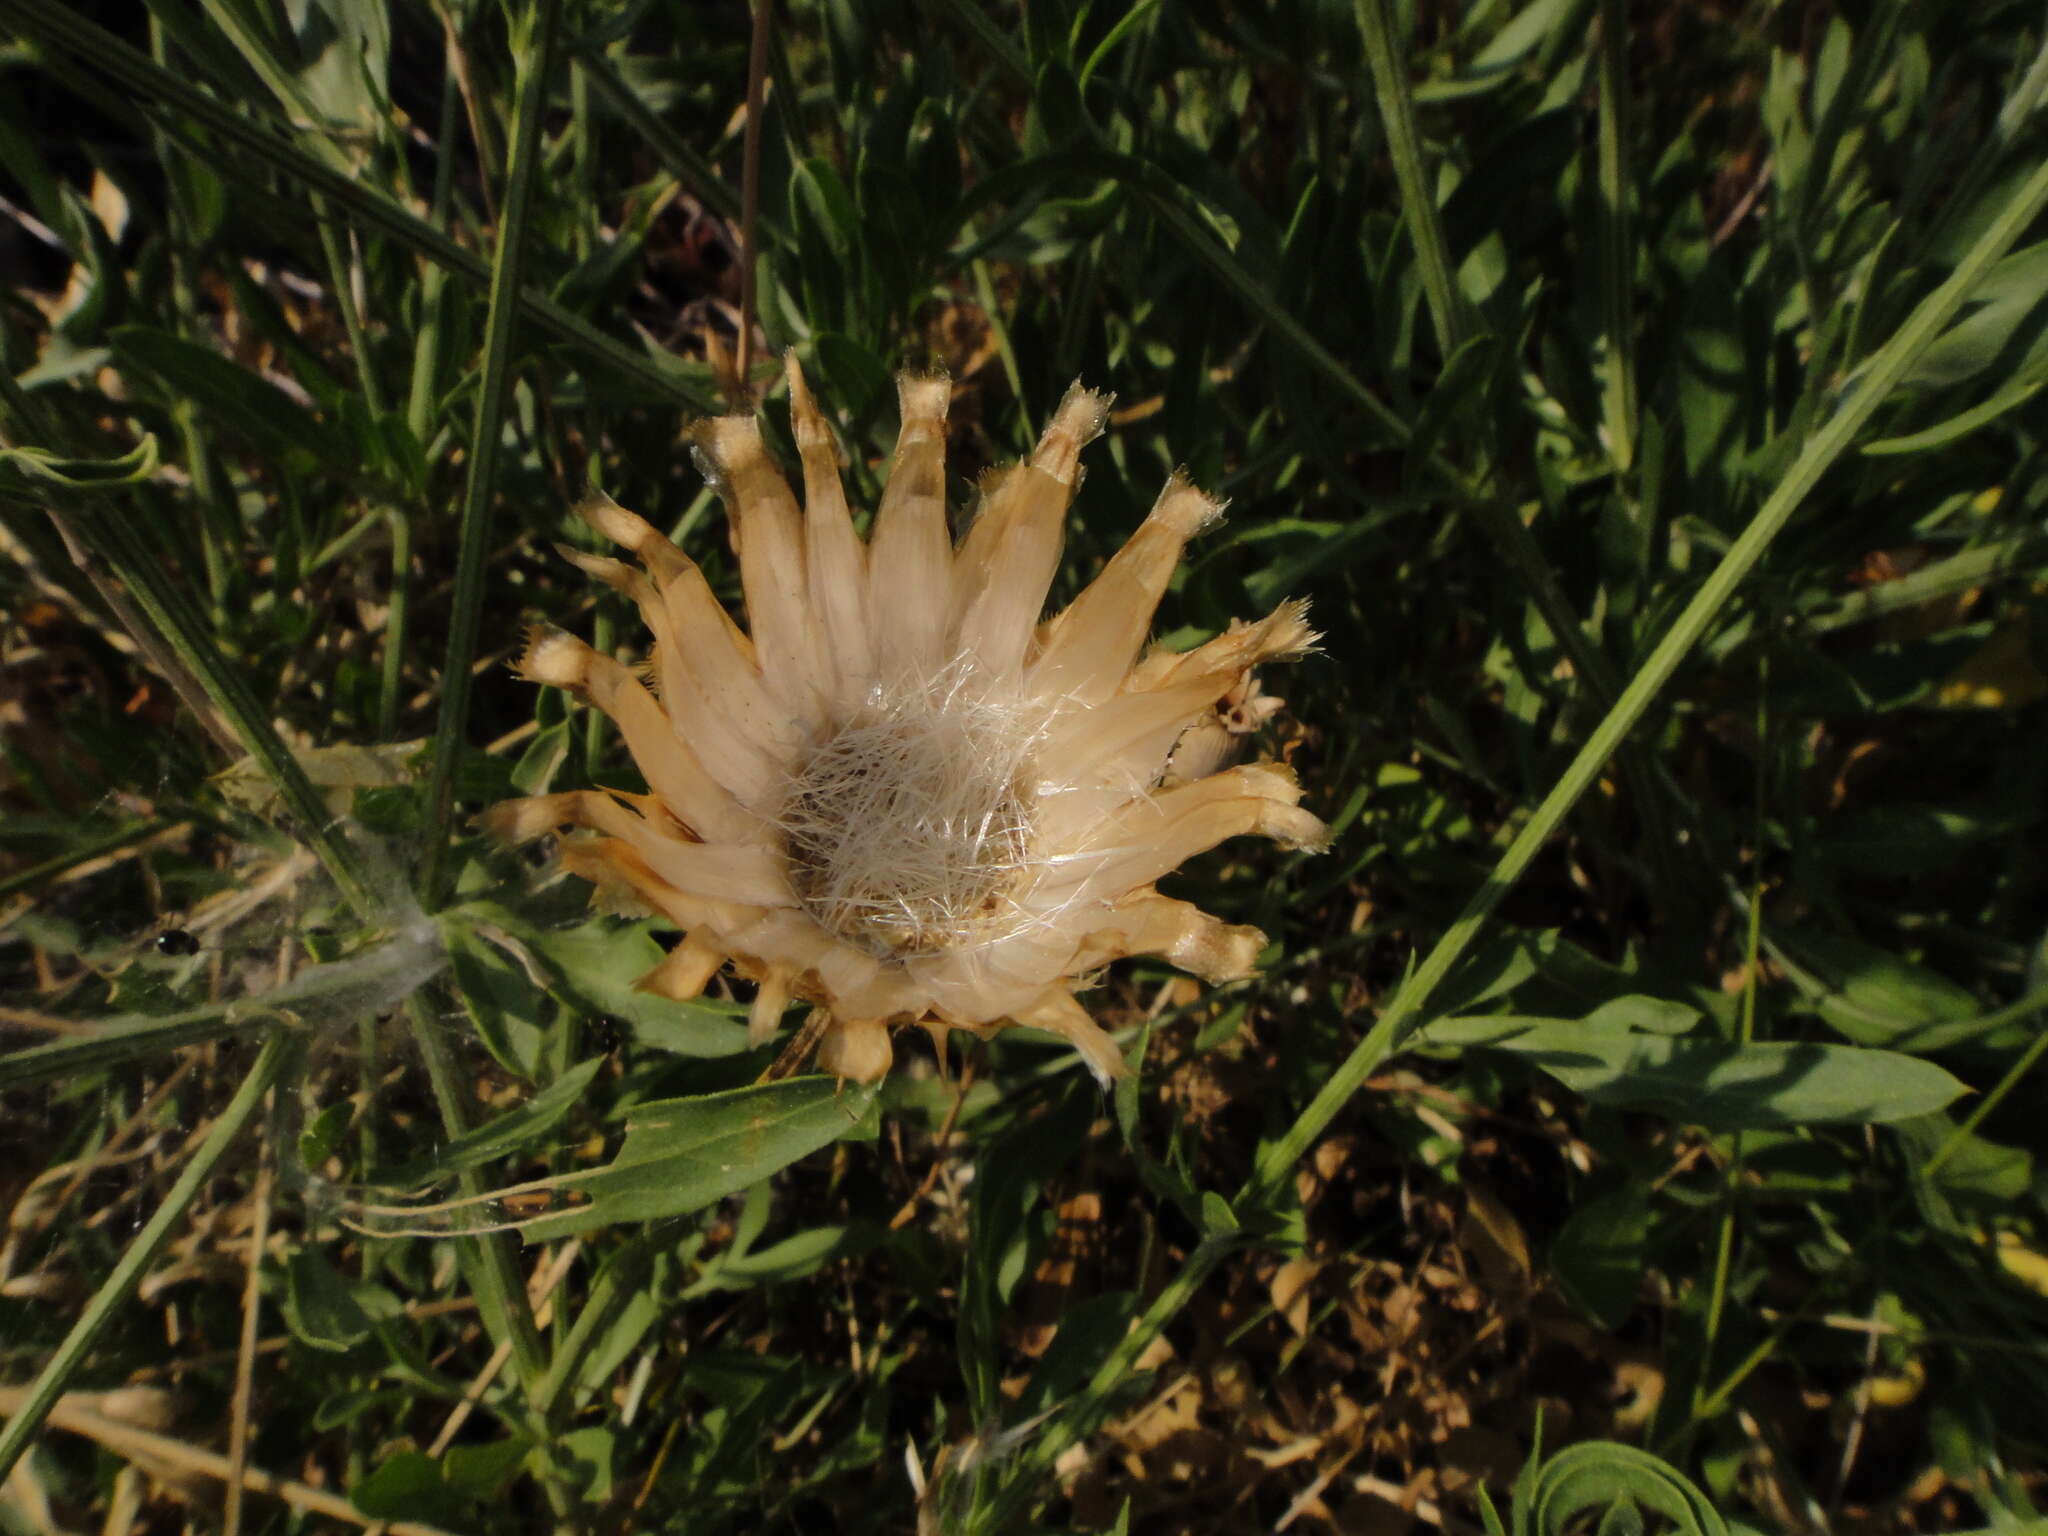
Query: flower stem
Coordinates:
[534,57]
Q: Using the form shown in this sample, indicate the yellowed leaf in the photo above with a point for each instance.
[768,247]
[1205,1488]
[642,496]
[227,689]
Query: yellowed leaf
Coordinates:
[1899,1387]
[2023,1263]
[2002,674]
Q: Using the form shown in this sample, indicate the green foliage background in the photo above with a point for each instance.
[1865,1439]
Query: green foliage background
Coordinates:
[1645,396]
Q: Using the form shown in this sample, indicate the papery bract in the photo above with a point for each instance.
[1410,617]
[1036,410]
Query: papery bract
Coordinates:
[897,794]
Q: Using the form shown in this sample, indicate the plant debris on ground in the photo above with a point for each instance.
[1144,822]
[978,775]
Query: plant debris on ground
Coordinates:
[1634,1109]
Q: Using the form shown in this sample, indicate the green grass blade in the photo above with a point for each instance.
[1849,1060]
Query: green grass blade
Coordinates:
[1500,520]
[1165,202]
[975,20]
[422,396]
[120,1043]
[113,541]
[500,1294]
[623,1274]
[1418,204]
[1617,238]
[2016,556]
[1026,1483]
[486,1257]
[1985,1104]
[163,95]
[28,879]
[1456,324]
[1869,391]
[481,486]
[1280,1157]
[118,1287]
[270,69]
[675,152]
[366,983]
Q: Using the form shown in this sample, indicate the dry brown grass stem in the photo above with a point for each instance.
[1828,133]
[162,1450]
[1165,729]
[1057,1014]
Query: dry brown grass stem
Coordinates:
[245,1352]
[908,1213]
[76,1413]
[1426,1510]
[750,192]
[29,1218]
[230,907]
[26,1018]
[547,1278]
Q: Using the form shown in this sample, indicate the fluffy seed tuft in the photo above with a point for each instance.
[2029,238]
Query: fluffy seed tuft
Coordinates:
[909,829]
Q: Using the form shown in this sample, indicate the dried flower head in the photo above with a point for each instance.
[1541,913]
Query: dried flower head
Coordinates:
[897,794]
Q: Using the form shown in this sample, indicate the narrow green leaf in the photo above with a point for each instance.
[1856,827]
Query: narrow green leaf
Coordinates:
[676,152]
[503,1001]
[1419,212]
[516,1131]
[1087,1333]
[681,1154]
[596,965]
[535,67]
[130,468]
[1617,1017]
[1975,1169]
[1617,237]
[407,1485]
[791,1259]
[1525,32]
[1737,1087]
[1875,998]
[177,105]
[1833,438]
[237,400]
[1962,424]
[321,996]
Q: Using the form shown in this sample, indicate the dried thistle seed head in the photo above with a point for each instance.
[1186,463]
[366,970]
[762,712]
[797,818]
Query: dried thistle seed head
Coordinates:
[908,829]
[897,794]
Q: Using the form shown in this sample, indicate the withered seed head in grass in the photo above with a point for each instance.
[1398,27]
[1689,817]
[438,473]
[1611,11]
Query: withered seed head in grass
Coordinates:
[897,794]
